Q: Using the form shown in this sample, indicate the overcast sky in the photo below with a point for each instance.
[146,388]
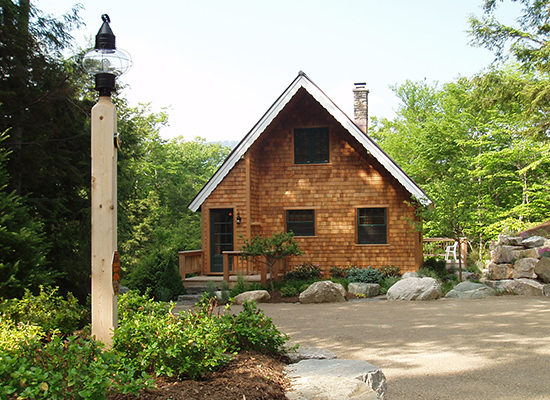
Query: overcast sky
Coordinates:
[218,65]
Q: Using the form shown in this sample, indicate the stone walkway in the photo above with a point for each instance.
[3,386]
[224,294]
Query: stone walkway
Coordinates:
[497,348]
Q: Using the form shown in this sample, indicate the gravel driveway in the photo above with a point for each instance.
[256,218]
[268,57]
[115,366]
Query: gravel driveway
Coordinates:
[497,348]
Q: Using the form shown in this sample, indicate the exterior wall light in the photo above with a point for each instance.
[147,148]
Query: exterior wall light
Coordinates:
[239,219]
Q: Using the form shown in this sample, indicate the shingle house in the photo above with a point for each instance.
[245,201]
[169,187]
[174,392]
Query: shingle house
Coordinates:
[306,167]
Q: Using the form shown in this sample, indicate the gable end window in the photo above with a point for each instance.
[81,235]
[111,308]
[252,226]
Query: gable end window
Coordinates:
[301,222]
[311,146]
[372,226]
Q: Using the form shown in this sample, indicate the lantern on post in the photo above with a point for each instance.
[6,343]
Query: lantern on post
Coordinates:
[105,62]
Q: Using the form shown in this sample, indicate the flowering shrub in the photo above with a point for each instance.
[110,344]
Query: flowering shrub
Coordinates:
[303,272]
[544,252]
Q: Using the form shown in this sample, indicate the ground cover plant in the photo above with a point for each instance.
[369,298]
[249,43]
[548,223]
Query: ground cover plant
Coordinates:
[38,361]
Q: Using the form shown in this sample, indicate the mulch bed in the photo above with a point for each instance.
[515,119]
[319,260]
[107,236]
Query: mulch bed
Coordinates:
[249,376]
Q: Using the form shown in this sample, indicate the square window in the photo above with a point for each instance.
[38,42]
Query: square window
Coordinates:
[371,226]
[301,222]
[311,146]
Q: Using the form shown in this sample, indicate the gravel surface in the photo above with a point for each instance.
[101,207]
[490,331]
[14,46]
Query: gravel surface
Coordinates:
[496,348]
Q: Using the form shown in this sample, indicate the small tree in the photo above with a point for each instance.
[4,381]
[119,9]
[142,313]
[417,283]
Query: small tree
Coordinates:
[269,250]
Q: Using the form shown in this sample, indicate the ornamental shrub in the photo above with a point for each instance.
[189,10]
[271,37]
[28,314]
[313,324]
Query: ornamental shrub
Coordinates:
[438,266]
[338,272]
[390,271]
[364,275]
[304,272]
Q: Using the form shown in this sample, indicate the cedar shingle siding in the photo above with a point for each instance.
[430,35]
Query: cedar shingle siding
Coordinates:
[266,182]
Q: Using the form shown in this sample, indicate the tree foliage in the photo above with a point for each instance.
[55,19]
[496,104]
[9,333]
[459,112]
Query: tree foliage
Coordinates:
[474,146]
[269,250]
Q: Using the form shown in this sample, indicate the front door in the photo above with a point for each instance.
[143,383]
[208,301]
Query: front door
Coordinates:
[221,236]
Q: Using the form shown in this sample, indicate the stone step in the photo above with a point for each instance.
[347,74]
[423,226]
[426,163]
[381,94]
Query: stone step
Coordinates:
[189,298]
[195,290]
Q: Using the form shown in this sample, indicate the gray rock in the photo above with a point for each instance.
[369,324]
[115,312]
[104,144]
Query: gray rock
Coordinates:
[542,269]
[407,275]
[415,289]
[527,287]
[471,290]
[534,241]
[501,286]
[525,268]
[335,380]
[510,240]
[504,255]
[323,292]
[368,289]
[259,296]
[310,353]
[527,253]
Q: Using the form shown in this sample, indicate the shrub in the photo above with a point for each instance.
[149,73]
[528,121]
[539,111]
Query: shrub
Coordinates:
[153,340]
[243,286]
[364,275]
[253,330]
[342,281]
[390,271]
[75,368]
[436,265]
[48,310]
[338,272]
[304,272]
[289,291]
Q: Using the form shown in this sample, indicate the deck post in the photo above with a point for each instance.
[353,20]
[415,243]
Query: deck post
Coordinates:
[226,266]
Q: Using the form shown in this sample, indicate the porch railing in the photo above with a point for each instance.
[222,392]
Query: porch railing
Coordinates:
[234,264]
[190,262]
[436,247]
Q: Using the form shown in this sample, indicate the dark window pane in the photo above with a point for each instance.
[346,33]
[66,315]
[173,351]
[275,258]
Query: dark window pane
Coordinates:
[301,222]
[371,226]
[311,146]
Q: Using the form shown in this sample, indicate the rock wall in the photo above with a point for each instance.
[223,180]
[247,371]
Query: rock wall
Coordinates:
[519,265]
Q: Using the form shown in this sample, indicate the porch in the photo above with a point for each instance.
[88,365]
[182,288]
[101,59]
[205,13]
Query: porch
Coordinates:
[437,247]
[194,274]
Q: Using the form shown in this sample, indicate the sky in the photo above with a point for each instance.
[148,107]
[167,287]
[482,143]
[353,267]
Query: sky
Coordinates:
[216,66]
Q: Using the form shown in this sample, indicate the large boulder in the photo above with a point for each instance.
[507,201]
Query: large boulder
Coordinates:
[499,271]
[368,289]
[471,290]
[509,240]
[534,241]
[528,287]
[542,269]
[259,296]
[335,379]
[323,292]
[525,268]
[527,253]
[415,289]
[504,254]
[408,275]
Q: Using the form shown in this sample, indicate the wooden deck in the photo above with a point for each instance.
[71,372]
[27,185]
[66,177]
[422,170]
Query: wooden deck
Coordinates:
[202,280]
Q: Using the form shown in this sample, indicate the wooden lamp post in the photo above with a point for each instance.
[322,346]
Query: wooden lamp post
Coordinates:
[106,63]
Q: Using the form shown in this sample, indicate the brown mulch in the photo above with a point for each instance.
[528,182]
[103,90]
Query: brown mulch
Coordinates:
[249,376]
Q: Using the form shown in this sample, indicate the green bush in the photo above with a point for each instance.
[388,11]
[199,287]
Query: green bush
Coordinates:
[244,286]
[390,271]
[48,310]
[364,275]
[338,272]
[74,368]
[289,291]
[251,329]
[13,335]
[159,273]
[436,265]
[342,281]
[304,272]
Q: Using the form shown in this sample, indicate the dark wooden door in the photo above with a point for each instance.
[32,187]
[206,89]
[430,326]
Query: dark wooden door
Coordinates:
[221,236]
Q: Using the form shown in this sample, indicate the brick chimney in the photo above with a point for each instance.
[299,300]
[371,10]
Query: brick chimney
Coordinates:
[361,105]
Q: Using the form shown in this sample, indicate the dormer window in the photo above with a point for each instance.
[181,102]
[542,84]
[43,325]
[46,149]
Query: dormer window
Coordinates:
[311,146]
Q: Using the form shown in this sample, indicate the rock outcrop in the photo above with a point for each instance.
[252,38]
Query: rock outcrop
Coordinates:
[415,289]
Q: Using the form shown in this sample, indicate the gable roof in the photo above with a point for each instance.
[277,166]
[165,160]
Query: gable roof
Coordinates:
[303,81]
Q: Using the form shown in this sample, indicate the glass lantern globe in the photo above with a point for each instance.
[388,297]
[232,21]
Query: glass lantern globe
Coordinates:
[107,61]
